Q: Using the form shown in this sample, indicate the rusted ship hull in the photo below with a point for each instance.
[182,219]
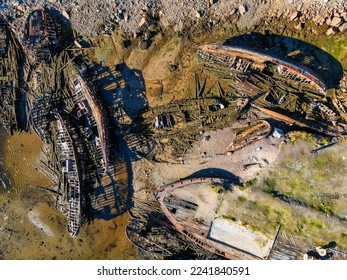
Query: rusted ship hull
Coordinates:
[199,237]
[89,107]
[250,134]
[40,37]
[242,59]
[68,159]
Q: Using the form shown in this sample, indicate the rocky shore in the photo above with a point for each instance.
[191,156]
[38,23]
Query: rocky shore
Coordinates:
[92,18]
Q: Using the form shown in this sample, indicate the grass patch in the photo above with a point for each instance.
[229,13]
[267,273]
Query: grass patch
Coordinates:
[296,136]
[310,179]
[336,46]
[270,185]
[242,198]
[249,183]
[218,188]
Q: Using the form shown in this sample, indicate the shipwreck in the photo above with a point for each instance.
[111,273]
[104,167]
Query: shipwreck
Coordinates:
[89,112]
[10,60]
[40,37]
[71,175]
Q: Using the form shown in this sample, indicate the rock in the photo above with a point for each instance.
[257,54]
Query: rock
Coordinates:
[330,31]
[299,26]
[343,27]
[198,14]
[277,133]
[65,14]
[328,21]
[336,22]
[142,21]
[294,15]
[242,9]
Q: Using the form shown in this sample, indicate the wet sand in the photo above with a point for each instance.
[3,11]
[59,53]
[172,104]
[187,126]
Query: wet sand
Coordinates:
[30,225]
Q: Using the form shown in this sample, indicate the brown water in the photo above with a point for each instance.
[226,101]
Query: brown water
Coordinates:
[30,225]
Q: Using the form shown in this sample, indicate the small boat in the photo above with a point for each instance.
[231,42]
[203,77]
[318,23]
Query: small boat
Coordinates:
[250,134]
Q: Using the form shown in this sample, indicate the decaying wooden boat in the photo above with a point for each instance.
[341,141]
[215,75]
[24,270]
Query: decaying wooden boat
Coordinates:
[192,116]
[250,134]
[89,111]
[243,59]
[71,175]
[10,60]
[40,37]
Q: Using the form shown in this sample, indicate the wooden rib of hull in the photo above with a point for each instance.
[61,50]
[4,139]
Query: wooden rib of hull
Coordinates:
[328,130]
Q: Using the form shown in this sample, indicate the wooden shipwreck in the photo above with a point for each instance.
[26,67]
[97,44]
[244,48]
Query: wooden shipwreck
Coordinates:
[280,87]
[10,65]
[250,134]
[243,59]
[89,112]
[40,38]
[71,175]
[192,116]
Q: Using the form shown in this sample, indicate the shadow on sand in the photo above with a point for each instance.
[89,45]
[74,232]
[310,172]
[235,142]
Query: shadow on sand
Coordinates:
[216,173]
[122,92]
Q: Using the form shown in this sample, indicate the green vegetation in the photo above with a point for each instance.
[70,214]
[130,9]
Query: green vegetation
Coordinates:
[305,194]
[301,135]
[309,179]
[249,183]
[218,188]
[336,46]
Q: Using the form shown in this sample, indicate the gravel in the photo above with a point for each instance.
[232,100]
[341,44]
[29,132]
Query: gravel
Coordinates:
[89,17]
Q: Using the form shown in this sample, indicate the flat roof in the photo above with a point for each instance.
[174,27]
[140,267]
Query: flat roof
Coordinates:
[240,237]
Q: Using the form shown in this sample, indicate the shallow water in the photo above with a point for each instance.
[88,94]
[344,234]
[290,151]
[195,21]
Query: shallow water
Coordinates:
[30,225]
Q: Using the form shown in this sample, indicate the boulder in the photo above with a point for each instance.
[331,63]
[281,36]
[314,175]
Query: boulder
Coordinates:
[336,22]
[299,26]
[277,133]
[343,27]
[330,31]
[242,9]
[142,21]
[294,15]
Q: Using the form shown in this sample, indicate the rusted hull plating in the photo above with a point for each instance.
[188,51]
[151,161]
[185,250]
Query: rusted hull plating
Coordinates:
[68,158]
[89,106]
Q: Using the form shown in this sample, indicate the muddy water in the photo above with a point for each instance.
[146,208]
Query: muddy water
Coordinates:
[31,227]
